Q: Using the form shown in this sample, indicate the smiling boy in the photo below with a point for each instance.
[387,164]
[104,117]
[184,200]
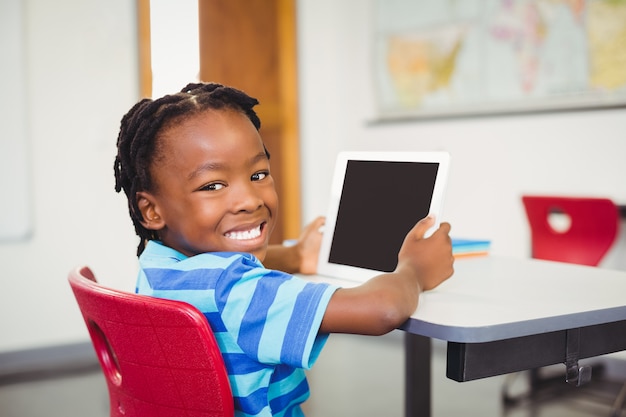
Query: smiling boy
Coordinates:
[202,198]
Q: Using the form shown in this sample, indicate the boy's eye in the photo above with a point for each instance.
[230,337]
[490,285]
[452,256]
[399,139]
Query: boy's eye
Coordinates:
[259,176]
[213,187]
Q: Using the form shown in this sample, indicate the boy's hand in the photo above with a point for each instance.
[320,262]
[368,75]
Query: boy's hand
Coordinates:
[300,257]
[308,246]
[384,302]
[430,258]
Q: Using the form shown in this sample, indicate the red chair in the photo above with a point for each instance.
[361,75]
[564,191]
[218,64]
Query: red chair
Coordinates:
[159,357]
[593,227]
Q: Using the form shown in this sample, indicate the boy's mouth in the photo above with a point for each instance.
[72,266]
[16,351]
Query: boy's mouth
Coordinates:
[245,234]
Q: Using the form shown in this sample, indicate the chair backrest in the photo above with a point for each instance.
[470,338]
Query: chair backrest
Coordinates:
[592,228]
[159,357]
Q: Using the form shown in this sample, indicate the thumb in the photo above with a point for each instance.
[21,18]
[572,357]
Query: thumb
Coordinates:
[423,225]
[316,225]
[318,222]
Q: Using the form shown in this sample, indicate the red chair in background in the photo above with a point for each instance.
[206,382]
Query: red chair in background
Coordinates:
[575,230]
[159,357]
[592,228]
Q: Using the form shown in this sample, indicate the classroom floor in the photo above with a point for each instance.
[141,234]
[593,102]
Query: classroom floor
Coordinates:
[354,376]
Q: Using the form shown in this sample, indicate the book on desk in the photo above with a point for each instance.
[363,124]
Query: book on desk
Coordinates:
[470,247]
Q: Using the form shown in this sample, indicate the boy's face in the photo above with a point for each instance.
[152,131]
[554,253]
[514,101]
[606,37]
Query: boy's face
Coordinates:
[212,187]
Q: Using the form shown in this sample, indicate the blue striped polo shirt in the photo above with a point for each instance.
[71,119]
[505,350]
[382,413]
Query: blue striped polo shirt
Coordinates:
[266,322]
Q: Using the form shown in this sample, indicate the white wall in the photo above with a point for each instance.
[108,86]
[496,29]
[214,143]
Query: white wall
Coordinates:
[494,159]
[174,41]
[80,70]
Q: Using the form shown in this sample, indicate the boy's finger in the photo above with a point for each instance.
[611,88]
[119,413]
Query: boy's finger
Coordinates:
[318,224]
[422,226]
[445,227]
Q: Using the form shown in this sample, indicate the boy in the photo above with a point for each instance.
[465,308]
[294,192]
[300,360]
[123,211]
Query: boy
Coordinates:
[200,192]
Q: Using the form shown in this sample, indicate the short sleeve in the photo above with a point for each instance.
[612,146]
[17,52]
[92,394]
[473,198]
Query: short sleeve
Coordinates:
[275,317]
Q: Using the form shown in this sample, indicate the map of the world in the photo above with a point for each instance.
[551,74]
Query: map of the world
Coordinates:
[482,56]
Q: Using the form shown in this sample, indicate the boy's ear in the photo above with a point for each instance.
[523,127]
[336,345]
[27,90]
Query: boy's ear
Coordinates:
[151,219]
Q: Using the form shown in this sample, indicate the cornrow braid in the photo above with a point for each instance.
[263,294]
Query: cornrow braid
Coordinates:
[140,128]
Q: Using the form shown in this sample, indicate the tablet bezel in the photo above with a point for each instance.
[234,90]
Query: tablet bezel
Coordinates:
[324,267]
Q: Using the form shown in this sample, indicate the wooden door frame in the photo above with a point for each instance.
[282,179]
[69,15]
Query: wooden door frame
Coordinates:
[290,143]
[144,48]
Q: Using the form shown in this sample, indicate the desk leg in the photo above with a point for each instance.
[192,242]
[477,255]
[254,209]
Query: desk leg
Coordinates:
[417,354]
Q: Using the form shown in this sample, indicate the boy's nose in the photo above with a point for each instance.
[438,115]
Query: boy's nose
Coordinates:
[246,198]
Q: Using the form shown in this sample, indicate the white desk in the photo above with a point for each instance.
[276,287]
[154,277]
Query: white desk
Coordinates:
[502,315]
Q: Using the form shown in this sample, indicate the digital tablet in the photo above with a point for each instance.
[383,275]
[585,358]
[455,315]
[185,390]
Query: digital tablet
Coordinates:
[375,199]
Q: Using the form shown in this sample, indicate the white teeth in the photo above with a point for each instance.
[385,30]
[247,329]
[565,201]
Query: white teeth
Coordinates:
[247,234]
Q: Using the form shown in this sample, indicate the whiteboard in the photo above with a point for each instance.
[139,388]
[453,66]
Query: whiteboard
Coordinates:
[15,181]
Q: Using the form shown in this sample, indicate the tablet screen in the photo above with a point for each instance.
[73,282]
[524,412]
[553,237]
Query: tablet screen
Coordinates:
[380,202]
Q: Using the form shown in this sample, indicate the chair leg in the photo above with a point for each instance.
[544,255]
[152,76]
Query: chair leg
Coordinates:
[508,397]
[618,405]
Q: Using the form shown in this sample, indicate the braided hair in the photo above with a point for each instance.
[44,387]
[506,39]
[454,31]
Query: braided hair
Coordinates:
[138,140]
